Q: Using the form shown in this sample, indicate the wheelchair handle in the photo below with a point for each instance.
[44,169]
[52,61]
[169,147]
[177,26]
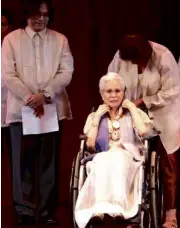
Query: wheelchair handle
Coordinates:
[82,137]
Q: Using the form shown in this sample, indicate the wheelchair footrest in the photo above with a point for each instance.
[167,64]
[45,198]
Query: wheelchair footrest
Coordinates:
[135,220]
[109,220]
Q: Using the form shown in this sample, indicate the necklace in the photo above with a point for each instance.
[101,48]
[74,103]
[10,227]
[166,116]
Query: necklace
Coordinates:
[115,136]
[114,130]
[114,127]
[115,124]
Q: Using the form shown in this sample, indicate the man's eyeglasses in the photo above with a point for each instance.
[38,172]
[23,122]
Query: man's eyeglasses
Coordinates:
[40,14]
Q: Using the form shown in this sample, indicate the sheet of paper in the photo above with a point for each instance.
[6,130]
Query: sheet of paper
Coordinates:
[35,125]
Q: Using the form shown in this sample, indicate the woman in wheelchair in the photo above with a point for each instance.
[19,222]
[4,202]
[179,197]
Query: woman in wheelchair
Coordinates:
[114,131]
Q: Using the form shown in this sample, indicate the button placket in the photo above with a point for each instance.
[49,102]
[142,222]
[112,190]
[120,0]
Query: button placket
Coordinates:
[37,57]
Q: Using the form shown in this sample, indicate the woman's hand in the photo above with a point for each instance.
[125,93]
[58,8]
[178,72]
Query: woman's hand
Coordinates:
[128,104]
[102,109]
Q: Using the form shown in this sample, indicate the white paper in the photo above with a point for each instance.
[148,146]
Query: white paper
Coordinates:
[35,125]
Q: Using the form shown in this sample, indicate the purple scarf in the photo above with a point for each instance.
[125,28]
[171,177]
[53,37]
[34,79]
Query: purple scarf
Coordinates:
[102,140]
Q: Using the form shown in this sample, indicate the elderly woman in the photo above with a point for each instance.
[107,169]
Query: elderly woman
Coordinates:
[111,185]
[151,77]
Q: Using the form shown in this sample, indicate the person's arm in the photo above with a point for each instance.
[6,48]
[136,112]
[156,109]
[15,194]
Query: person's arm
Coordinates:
[138,102]
[64,72]
[3,92]
[141,122]
[91,130]
[170,83]
[92,125]
[10,76]
[114,66]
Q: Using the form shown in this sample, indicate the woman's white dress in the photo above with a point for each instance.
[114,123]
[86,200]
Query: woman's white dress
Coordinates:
[113,177]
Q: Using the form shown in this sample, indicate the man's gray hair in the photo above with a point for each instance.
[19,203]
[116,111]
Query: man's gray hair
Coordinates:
[109,77]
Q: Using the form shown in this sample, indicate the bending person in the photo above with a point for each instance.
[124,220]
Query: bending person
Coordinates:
[151,77]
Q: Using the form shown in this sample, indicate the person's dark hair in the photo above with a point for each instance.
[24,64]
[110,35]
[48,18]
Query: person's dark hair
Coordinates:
[31,7]
[6,13]
[134,47]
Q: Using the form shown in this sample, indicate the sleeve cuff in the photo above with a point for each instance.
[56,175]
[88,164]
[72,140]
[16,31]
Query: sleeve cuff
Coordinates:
[49,91]
[146,101]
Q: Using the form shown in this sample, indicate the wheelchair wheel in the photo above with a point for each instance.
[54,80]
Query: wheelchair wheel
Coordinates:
[74,185]
[145,219]
[156,194]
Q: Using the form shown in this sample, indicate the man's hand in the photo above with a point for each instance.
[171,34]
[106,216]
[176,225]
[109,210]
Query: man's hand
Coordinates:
[39,111]
[138,102]
[35,100]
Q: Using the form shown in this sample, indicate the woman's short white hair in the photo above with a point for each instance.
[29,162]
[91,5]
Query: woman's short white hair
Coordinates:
[109,77]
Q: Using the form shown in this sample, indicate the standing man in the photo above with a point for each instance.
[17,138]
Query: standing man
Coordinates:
[5,136]
[6,23]
[37,66]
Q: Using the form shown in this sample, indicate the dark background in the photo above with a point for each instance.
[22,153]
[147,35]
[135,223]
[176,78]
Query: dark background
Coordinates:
[93,28]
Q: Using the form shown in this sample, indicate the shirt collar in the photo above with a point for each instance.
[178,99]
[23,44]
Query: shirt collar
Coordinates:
[31,33]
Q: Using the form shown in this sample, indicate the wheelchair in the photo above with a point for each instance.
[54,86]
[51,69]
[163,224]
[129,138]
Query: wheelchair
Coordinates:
[150,202]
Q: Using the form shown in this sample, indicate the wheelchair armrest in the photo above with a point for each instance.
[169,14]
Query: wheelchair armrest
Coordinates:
[87,158]
[82,143]
[152,134]
[84,150]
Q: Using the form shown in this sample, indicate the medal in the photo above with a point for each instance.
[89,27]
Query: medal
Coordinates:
[115,135]
[114,129]
[115,124]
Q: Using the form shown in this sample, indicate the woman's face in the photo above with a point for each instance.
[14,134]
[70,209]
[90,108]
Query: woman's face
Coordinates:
[112,94]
